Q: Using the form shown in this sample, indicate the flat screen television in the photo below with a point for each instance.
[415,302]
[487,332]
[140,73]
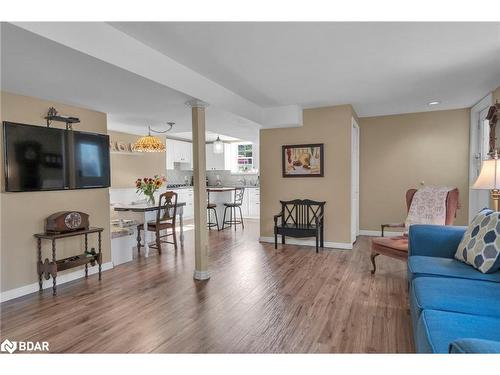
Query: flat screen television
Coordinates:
[38,158]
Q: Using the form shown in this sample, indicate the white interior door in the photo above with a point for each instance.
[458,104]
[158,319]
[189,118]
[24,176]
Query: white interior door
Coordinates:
[479,147]
[354,181]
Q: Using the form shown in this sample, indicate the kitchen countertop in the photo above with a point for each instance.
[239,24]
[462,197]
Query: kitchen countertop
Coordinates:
[214,187]
[232,187]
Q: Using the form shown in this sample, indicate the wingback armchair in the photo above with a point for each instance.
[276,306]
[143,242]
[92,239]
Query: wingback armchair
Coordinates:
[397,246]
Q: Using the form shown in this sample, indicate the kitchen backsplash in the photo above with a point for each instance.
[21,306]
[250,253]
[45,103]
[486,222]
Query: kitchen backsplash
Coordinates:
[176,176]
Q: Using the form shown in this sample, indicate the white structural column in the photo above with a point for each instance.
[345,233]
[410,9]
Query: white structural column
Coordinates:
[200,191]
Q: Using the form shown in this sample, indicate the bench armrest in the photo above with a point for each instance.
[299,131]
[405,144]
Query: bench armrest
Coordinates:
[434,240]
[319,219]
[276,217]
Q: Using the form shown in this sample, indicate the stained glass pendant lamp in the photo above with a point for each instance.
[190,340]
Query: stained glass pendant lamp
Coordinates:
[151,143]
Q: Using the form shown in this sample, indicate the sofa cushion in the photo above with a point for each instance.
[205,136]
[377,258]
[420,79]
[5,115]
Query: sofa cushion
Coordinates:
[480,246]
[445,267]
[440,293]
[474,346]
[436,330]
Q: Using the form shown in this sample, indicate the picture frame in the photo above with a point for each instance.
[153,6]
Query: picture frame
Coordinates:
[303,160]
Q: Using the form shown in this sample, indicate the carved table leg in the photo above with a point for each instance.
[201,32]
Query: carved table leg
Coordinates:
[86,249]
[54,274]
[146,235]
[181,225]
[100,254]
[372,257]
[39,268]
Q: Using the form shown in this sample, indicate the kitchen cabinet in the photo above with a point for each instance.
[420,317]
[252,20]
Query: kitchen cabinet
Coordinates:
[179,152]
[215,162]
[169,154]
[253,202]
[244,204]
[186,195]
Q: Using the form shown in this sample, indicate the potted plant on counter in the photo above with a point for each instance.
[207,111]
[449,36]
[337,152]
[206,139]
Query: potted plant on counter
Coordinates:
[148,186]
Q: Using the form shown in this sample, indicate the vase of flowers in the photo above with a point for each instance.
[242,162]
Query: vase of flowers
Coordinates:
[148,187]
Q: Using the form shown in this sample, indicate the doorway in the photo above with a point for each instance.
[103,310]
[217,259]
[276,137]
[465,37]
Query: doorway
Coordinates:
[479,147]
[354,180]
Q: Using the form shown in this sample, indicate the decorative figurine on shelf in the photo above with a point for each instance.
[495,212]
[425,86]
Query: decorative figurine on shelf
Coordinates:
[148,186]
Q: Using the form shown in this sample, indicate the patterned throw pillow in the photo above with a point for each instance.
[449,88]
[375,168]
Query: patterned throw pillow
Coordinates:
[480,246]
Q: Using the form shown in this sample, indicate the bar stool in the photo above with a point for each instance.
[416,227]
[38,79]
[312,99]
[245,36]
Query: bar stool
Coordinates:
[237,202]
[211,207]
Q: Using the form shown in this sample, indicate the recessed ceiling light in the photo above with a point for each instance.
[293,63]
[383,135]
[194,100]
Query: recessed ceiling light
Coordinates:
[435,102]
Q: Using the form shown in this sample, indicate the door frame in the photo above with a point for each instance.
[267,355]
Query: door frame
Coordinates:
[355,162]
[476,134]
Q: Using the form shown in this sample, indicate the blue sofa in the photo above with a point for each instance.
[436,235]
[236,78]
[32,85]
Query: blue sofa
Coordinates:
[454,308]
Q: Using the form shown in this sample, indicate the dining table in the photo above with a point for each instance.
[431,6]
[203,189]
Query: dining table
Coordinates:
[149,213]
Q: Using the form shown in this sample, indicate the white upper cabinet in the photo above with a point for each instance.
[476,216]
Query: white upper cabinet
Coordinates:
[170,144]
[214,161]
[179,152]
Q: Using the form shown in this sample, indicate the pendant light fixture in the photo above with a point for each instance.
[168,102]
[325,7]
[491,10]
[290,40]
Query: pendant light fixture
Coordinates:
[151,143]
[218,146]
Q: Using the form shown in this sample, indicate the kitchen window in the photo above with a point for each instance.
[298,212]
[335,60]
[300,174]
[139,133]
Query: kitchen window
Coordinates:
[241,157]
[244,158]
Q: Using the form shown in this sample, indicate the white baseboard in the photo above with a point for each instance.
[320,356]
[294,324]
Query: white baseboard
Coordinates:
[294,241]
[61,279]
[377,233]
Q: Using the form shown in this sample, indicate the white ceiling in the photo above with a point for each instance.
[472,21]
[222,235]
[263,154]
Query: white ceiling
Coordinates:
[35,66]
[380,68]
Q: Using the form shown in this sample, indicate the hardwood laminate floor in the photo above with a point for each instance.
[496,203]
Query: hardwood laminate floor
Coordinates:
[258,300]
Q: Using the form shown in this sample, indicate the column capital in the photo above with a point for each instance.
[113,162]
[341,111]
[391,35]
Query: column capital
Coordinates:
[195,103]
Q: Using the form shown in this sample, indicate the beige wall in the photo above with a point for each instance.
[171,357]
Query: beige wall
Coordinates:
[23,214]
[400,151]
[125,169]
[328,125]
[496,95]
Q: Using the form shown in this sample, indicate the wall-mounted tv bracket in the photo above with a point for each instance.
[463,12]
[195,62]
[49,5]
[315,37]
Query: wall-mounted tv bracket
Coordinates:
[52,115]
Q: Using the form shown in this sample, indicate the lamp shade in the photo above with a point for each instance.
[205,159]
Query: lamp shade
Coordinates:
[149,143]
[489,177]
[218,146]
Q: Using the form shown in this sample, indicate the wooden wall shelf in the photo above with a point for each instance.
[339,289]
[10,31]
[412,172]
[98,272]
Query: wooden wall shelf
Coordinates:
[127,153]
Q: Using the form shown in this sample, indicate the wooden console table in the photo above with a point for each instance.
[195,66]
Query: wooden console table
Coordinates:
[50,268]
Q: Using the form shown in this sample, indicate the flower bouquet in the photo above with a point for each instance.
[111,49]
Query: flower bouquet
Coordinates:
[148,186]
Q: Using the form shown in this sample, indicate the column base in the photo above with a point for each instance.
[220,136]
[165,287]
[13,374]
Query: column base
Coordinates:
[201,275]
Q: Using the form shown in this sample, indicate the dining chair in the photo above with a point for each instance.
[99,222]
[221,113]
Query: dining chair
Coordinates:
[236,203]
[165,220]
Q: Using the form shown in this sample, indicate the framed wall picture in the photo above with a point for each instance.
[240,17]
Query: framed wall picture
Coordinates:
[303,160]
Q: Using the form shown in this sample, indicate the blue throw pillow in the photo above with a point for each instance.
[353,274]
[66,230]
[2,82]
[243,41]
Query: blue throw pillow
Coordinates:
[480,245]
